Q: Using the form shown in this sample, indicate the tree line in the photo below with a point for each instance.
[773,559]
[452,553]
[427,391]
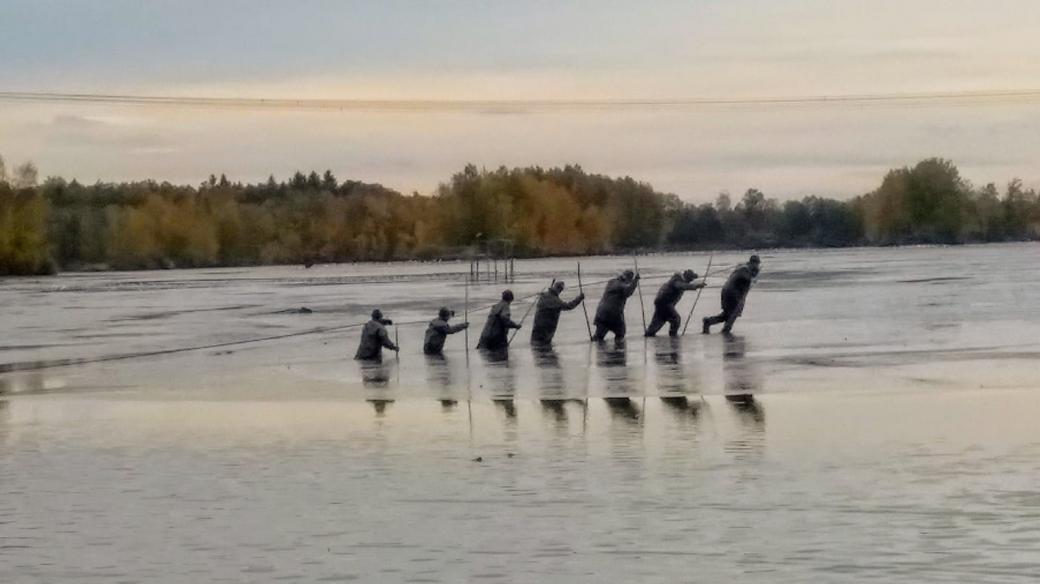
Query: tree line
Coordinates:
[58,224]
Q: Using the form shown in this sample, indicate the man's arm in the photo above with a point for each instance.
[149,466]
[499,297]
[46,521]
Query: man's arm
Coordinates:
[506,320]
[573,303]
[384,339]
[456,328]
[550,302]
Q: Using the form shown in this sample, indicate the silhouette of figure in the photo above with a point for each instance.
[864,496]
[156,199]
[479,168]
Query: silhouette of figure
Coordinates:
[734,294]
[547,313]
[438,330]
[610,314]
[668,297]
[374,338]
[495,335]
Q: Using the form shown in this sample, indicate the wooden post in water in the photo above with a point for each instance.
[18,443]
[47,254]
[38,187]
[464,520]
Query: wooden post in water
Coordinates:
[465,318]
[581,290]
[642,308]
[689,317]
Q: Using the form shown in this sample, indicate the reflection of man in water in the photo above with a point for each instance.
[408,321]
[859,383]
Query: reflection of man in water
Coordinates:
[740,374]
[742,382]
[439,329]
[668,297]
[374,338]
[547,313]
[613,366]
[734,294]
[380,405]
[547,361]
[495,335]
[610,314]
[374,373]
[670,377]
[501,379]
[438,375]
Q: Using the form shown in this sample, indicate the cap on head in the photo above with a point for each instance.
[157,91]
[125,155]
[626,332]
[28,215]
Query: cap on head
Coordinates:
[754,260]
[444,313]
[507,295]
[558,286]
[377,314]
[689,275]
[628,274]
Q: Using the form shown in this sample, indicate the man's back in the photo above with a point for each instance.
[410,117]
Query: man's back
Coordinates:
[436,333]
[739,281]
[373,338]
[671,291]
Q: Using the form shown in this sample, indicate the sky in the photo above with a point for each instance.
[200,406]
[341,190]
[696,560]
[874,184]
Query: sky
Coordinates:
[516,52]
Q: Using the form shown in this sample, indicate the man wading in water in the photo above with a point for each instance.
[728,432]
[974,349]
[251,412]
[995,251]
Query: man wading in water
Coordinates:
[610,314]
[667,297]
[374,337]
[495,335]
[734,293]
[547,313]
[438,330]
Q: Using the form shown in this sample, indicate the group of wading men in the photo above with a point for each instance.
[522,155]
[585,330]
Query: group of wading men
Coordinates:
[610,314]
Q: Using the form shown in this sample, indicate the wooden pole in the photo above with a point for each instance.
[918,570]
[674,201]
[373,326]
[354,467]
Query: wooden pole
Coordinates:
[465,318]
[642,308]
[581,290]
[397,355]
[397,343]
[697,299]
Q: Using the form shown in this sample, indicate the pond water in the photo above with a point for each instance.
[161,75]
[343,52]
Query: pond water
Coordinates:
[872,418]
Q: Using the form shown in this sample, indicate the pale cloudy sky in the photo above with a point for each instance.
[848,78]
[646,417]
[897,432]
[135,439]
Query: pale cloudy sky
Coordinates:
[518,50]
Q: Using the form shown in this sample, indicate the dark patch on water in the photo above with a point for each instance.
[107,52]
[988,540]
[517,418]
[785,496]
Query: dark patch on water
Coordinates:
[936,280]
[169,313]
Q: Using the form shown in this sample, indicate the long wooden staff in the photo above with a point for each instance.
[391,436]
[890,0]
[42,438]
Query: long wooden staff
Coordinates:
[695,300]
[465,318]
[642,308]
[581,291]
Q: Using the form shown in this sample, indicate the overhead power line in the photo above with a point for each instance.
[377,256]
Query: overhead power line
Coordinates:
[507,105]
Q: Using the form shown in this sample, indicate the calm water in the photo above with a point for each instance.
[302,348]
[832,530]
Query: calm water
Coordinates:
[873,418]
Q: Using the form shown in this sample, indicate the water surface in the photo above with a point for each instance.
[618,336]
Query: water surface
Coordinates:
[873,418]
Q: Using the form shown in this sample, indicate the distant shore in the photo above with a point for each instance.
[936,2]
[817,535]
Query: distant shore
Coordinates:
[526,212]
